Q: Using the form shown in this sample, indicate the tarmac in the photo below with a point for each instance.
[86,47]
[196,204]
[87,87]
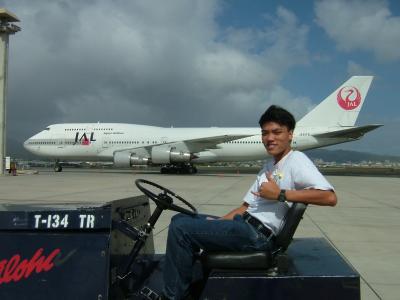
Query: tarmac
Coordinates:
[364,226]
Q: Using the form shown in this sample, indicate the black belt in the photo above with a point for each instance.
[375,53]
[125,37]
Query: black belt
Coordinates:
[257,224]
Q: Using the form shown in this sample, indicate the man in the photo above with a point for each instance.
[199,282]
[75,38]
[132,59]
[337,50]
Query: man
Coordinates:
[290,177]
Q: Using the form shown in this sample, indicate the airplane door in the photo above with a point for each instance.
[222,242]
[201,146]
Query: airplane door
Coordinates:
[106,141]
[60,143]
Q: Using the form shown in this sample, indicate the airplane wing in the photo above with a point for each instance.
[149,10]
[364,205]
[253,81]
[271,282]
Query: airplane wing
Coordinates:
[353,132]
[201,144]
[192,145]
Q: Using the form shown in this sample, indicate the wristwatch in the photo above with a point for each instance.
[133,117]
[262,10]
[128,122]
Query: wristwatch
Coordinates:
[282,196]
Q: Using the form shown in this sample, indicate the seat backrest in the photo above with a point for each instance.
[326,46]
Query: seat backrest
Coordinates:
[290,223]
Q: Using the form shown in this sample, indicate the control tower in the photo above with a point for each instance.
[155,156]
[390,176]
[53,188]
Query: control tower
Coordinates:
[6,28]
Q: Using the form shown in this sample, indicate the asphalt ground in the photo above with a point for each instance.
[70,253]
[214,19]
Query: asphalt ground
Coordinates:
[363,227]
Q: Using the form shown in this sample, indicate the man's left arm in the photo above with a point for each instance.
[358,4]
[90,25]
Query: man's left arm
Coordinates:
[311,196]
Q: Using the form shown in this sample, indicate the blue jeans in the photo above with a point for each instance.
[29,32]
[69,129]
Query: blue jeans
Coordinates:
[188,234]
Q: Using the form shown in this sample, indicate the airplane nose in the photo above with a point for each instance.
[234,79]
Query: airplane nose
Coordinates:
[27,145]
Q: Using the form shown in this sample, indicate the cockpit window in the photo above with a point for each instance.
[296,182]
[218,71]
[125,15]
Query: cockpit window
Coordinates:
[48,128]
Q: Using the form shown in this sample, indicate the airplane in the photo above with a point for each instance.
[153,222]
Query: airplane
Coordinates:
[176,150]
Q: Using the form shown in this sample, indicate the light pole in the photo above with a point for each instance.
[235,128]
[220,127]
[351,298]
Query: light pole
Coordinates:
[6,28]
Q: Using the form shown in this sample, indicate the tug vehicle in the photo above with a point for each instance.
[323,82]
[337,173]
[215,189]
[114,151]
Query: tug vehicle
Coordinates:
[106,251]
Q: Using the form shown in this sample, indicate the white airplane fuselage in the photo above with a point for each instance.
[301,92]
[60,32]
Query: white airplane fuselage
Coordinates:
[331,122]
[99,142]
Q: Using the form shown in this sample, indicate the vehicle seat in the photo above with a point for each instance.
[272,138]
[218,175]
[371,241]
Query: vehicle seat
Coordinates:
[258,259]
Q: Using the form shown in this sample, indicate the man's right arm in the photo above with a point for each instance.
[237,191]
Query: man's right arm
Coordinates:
[237,211]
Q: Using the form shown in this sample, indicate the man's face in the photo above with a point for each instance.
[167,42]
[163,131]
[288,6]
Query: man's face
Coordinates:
[276,139]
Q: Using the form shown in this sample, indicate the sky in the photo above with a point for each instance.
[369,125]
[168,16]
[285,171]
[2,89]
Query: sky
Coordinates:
[200,63]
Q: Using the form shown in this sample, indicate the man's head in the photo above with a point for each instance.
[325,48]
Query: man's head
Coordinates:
[277,125]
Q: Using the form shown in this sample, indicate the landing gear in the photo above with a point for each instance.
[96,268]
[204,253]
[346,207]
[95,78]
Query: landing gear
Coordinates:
[178,169]
[57,166]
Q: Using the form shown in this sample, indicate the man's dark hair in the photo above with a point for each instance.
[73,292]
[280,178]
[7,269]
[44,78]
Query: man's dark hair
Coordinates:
[278,115]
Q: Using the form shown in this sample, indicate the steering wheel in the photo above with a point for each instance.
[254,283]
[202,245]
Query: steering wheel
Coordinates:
[164,200]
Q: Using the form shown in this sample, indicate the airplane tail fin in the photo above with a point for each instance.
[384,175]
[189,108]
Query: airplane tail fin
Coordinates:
[341,108]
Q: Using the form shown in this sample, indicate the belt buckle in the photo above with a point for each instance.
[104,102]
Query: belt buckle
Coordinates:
[149,293]
[264,230]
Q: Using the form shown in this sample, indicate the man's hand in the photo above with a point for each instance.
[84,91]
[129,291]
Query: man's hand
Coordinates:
[269,189]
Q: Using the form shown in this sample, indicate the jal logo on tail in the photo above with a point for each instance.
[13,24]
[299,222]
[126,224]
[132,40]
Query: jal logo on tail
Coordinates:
[349,97]
[83,139]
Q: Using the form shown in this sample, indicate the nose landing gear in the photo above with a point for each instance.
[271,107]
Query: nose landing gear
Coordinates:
[57,166]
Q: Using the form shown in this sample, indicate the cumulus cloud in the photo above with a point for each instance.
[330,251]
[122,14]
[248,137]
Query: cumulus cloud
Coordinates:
[355,69]
[361,25]
[147,62]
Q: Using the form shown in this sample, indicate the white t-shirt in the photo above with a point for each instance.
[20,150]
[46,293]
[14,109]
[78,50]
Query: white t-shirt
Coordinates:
[295,171]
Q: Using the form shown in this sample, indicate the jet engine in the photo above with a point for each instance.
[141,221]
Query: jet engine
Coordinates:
[127,159]
[165,155]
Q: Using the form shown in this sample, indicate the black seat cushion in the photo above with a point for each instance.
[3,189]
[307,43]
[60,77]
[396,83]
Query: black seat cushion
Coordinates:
[237,260]
[258,259]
